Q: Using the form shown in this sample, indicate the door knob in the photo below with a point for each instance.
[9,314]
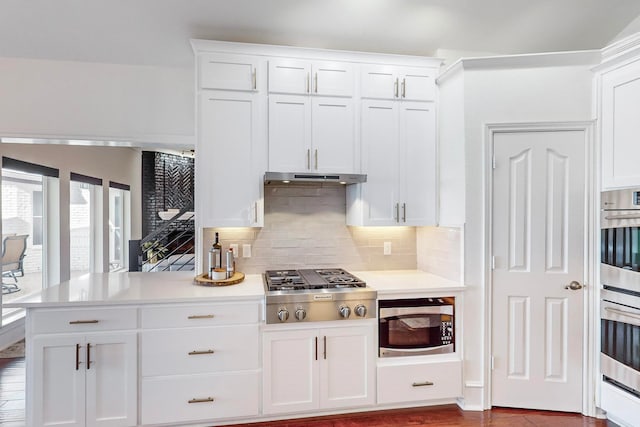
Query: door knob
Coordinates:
[574,286]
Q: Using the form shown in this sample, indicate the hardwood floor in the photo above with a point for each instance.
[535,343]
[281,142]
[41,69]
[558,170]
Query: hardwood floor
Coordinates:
[12,384]
[12,393]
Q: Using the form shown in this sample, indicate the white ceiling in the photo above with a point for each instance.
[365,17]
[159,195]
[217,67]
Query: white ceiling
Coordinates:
[156,32]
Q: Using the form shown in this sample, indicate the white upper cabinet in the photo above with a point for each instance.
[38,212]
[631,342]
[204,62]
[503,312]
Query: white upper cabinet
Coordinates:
[391,82]
[398,150]
[304,77]
[289,133]
[231,159]
[620,111]
[228,72]
[311,135]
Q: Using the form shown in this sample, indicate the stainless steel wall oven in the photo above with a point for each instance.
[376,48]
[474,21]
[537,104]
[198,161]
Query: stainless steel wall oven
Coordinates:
[620,294]
[411,327]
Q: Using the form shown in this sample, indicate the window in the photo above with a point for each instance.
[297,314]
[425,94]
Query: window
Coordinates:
[29,195]
[119,220]
[37,209]
[85,223]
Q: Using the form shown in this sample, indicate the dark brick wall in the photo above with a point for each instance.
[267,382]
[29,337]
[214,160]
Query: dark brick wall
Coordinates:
[167,182]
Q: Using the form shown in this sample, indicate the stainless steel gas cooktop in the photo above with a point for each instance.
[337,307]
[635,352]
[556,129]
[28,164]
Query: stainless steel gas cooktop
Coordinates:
[317,295]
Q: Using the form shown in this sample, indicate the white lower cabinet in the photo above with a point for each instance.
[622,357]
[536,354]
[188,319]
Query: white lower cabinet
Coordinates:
[200,397]
[199,362]
[311,369]
[85,380]
[420,381]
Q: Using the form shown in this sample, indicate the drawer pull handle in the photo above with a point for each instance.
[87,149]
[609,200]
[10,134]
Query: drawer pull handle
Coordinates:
[201,316]
[195,352]
[82,322]
[422,384]
[205,400]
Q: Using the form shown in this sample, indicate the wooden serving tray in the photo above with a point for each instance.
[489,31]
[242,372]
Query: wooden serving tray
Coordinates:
[204,280]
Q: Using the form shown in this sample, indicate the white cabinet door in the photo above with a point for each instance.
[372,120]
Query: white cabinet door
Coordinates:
[289,76]
[389,82]
[230,72]
[380,162]
[112,380]
[302,77]
[289,133]
[332,79]
[231,159]
[417,84]
[290,369]
[333,135]
[379,82]
[347,373]
[621,127]
[58,381]
[417,164]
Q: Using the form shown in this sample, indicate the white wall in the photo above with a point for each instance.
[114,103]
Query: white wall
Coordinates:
[122,165]
[497,95]
[93,101]
[451,154]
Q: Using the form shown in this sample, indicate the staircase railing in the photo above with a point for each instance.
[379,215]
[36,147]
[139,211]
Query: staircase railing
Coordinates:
[168,248]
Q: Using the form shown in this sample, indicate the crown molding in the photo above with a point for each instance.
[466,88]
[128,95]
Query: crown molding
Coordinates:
[214,46]
[530,60]
[619,52]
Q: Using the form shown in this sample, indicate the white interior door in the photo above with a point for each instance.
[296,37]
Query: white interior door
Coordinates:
[538,244]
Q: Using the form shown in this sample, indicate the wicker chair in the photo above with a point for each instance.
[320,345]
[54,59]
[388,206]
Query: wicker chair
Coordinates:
[13,253]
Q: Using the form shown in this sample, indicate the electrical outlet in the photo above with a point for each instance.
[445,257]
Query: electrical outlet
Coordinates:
[387,248]
[234,248]
[246,251]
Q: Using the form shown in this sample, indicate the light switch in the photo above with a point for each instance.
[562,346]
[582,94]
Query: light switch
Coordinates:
[234,248]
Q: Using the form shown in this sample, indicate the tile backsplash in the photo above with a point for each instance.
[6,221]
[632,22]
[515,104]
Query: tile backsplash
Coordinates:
[304,227]
[440,251]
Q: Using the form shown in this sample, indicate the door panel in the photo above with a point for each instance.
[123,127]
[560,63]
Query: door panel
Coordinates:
[111,384]
[538,244]
[380,163]
[333,136]
[58,387]
[289,133]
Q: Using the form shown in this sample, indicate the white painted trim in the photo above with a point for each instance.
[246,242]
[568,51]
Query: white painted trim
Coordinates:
[621,48]
[214,46]
[530,60]
[12,332]
[591,315]
[151,141]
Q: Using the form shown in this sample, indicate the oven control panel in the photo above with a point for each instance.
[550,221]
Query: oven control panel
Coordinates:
[446,332]
[295,312]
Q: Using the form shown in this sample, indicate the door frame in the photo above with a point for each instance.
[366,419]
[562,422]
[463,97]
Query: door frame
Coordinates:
[591,317]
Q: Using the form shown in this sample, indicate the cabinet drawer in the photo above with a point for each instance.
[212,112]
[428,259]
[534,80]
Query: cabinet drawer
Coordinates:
[83,320]
[199,350]
[420,381]
[166,400]
[199,315]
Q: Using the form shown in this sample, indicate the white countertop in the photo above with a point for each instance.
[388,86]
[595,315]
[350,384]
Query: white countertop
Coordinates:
[397,282]
[139,288]
[176,287]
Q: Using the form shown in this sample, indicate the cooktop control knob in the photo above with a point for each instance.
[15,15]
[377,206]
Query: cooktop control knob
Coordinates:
[360,310]
[344,311]
[283,315]
[301,314]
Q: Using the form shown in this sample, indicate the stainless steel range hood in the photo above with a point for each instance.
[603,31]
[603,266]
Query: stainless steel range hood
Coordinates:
[310,177]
